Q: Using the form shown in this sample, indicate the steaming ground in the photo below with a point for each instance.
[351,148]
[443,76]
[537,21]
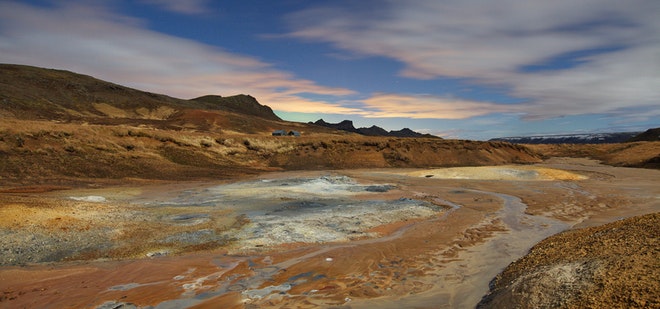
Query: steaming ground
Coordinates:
[306,210]
[361,238]
[248,215]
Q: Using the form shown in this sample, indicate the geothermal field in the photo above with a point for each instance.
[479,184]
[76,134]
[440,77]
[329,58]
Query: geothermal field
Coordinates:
[362,238]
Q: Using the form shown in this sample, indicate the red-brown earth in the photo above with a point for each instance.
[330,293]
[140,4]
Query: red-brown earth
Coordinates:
[97,182]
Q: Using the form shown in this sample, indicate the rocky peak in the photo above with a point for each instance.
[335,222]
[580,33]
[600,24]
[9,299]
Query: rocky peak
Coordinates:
[241,104]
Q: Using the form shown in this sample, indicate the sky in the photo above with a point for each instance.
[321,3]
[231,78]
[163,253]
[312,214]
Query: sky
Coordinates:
[462,69]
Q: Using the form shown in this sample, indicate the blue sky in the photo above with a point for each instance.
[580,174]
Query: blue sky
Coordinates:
[457,69]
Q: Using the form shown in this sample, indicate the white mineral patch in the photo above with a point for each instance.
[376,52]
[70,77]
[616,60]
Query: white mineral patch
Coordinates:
[293,187]
[298,210]
[330,223]
[261,293]
[89,198]
[158,253]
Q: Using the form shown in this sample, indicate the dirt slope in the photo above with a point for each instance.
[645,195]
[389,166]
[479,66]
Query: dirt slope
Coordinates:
[36,152]
[635,154]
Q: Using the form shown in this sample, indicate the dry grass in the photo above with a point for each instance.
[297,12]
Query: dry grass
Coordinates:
[40,151]
[637,154]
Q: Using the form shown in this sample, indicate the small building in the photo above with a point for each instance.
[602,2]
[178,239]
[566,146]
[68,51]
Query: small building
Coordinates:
[285,133]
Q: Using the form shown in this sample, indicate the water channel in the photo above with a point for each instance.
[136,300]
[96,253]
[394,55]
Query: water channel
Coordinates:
[325,211]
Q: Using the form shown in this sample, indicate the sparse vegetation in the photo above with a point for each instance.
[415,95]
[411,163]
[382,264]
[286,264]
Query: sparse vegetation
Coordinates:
[53,136]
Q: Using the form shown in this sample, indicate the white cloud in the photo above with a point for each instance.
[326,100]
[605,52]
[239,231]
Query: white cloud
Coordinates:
[191,7]
[491,42]
[98,42]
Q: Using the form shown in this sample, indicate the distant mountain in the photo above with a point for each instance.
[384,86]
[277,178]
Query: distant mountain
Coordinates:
[345,125]
[240,104]
[649,135]
[373,131]
[348,126]
[591,138]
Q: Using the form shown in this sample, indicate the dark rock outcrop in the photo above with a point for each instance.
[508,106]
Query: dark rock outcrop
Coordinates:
[374,130]
[240,104]
[650,135]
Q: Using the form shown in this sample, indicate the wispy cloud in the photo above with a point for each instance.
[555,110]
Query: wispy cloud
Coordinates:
[190,7]
[390,105]
[492,42]
[110,46]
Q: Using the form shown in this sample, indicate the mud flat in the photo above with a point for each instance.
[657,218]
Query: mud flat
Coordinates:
[356,239]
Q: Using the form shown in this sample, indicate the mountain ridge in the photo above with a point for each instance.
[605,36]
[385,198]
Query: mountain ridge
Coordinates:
[240,104]
[347,125]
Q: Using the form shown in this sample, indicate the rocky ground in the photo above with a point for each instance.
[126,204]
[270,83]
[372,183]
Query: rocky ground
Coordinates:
[88,227]
[616,265]
[442,237]
[93,176]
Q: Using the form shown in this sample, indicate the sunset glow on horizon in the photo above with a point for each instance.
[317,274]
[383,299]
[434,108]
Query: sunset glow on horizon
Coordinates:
[456,69]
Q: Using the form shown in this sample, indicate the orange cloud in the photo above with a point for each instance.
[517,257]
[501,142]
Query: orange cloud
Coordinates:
[427,106]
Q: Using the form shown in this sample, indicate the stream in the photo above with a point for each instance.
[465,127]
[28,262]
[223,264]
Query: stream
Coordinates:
[460,283]
[463,282]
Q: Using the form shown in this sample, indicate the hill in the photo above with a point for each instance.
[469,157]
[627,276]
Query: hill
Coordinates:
[609,266]
[59,129]
[31,93]
[348,126]
[35,93]
[63,127]
[240,104]
[650,135]
[633,154]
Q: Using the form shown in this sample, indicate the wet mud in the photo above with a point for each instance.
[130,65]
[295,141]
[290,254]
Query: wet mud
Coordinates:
[389,238]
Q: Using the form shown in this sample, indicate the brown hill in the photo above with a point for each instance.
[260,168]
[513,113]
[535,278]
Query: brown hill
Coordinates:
[240,104]
[637,154]
[32,93]
[649,135]
[35,93]
[59,126]
[58,153]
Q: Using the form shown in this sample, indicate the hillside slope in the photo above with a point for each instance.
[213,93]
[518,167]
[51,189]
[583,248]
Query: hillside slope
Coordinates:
[62,126]
[240,104]
[51,152]
[36,93]
[31,93]
[650,135]
[610,266]
[634,154]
